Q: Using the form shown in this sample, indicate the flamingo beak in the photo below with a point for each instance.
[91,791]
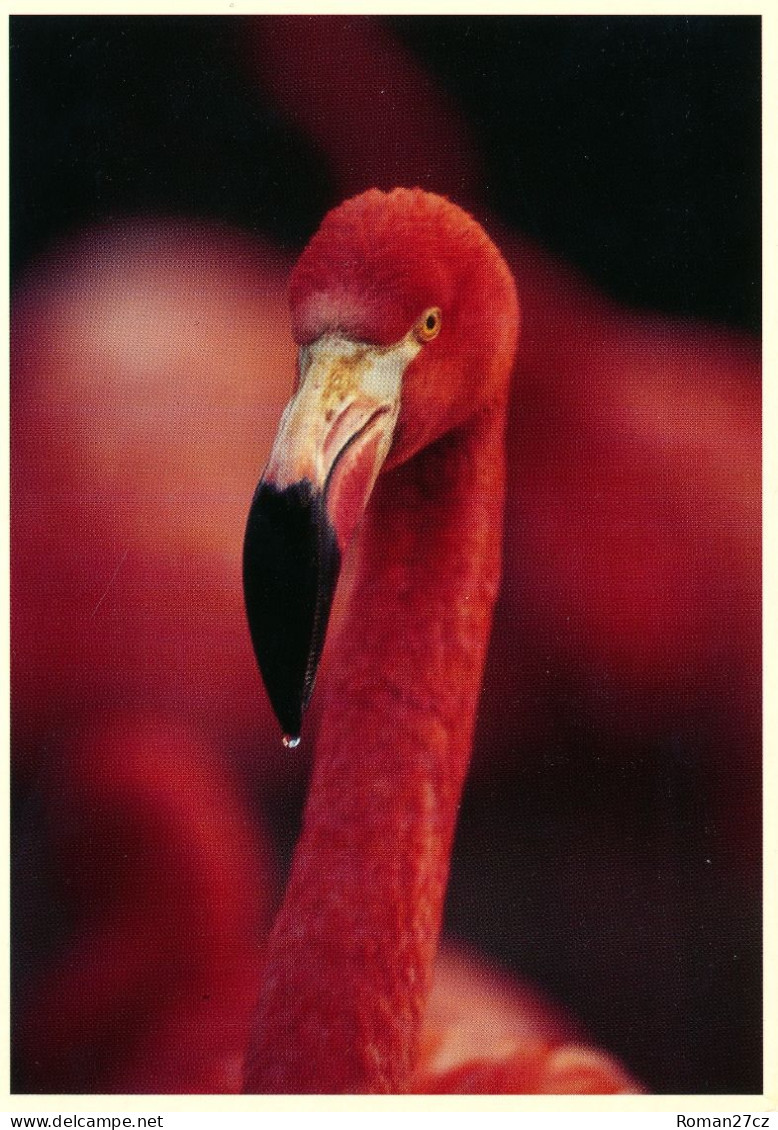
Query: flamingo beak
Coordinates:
[333,438]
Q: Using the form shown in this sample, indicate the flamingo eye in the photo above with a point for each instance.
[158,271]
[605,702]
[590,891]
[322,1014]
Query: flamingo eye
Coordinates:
[428,325]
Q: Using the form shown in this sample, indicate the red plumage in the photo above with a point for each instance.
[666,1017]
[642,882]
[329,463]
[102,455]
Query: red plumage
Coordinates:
[350,959]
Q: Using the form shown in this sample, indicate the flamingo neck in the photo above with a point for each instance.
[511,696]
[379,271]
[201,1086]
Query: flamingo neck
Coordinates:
[350,959]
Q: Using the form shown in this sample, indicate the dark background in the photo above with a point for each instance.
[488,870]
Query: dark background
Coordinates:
[631,147]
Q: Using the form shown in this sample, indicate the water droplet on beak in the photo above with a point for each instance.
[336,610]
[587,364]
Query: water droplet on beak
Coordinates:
[290,741]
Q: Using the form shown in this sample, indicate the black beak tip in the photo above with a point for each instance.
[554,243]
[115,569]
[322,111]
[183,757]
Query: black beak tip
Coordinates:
[291,564]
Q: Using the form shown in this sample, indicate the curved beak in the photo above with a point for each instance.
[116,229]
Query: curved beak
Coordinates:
[333,438]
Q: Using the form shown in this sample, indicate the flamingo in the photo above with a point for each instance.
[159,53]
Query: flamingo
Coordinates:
[616,515]
[389,461]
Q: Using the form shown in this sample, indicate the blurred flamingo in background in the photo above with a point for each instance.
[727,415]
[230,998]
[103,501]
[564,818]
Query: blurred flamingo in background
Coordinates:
[630,573]
[154,848]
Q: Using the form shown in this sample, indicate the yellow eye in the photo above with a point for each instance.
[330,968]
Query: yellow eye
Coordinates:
[428,325]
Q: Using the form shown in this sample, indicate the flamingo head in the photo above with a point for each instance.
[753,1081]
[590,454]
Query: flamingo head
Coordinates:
[406,319]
